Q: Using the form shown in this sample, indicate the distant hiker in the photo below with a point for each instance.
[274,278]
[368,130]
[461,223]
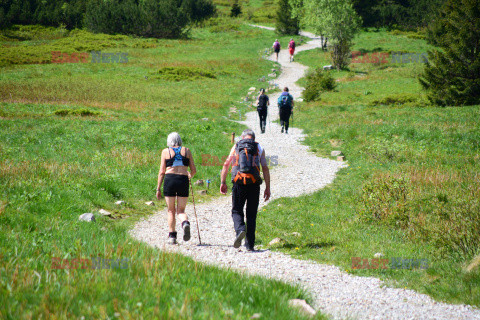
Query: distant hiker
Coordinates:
[246,157]
[285,107]
[175,177]
[262,108]
[276,48]
[291,49]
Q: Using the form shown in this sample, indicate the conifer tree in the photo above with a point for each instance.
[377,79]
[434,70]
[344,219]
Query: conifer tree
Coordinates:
[286,23]
[452,74]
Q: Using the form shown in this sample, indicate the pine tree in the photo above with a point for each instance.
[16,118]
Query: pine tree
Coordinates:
[236,9]
[452,74]
[286,24]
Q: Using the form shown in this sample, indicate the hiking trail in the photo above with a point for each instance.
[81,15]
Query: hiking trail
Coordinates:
[334,292]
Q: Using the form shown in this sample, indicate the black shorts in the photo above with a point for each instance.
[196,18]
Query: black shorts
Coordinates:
[175,185]
[276,50]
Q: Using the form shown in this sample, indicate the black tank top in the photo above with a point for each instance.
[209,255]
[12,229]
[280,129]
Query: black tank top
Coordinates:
[177,159]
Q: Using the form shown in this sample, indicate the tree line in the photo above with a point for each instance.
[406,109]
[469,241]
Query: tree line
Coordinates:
[452,73]
[145,18]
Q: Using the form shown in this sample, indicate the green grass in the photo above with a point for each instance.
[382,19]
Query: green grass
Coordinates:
[76,137]
[378,118]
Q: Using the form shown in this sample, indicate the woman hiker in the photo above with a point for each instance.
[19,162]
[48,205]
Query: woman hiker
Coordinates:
[262,108]
[175,178]
[291,49]
[276,48]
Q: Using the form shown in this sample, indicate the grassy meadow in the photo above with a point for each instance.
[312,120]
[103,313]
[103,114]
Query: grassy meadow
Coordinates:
[412,186]
[76,137]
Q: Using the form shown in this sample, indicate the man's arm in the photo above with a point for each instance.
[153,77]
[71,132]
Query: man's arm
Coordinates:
[223,175]
[266,176]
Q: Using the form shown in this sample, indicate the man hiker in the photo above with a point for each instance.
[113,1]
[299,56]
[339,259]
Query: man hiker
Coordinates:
[262,108]
[291,49]
[246,157]
[285,107]
[276,48]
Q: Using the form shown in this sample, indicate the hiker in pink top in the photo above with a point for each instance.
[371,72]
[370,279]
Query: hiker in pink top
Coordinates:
[276,48]
[291,49]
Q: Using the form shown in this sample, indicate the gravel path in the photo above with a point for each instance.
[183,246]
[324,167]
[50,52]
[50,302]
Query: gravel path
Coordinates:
[336,293]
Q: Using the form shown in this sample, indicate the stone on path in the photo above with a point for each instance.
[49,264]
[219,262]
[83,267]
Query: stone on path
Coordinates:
[303,306]
[89,217]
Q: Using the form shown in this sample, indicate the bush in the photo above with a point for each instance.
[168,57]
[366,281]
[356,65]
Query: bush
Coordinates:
[76,112]
[385,199]
[236,9]
[453,225]
[184,73]
[318,81]
[394,100]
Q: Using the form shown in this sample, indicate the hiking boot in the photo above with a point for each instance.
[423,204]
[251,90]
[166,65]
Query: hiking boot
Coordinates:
[238,240]
[186,230]
[282,130]
[172,240]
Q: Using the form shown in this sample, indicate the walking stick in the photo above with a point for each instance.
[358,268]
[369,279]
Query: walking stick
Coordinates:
[195,211]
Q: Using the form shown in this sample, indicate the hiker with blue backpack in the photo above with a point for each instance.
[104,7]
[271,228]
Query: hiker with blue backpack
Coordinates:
[285,109]
[262,109]
[246,157]
[276,48]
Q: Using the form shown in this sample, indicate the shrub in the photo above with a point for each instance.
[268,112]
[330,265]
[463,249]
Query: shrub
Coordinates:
[385,199]
[76,112]
[394,100]
[236,9]
[453,225]
[184,73]
[318,81]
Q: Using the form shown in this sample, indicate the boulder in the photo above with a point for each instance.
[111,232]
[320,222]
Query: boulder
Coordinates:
[329,67]
[276,241]
[252,89]
[378,255]
[341,158]
[202,192]
[150,203]
[89,217]
[104,212]
[120,202]
[303,306]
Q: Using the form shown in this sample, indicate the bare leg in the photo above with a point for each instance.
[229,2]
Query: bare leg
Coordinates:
[171,213]
[181,204]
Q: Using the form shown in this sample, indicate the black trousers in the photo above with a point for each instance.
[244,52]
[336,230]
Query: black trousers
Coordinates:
[285,117]
[262,114]
[249,194]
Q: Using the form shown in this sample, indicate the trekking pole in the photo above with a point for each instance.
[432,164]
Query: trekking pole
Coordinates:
[195,211]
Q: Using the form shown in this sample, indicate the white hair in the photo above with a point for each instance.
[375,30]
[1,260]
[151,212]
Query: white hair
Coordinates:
[248,132]
[174,139]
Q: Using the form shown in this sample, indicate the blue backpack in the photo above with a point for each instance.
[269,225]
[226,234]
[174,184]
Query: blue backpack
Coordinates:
[284,101]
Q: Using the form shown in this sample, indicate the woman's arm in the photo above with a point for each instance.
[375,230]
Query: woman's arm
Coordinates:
[193,169]
[161,174]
